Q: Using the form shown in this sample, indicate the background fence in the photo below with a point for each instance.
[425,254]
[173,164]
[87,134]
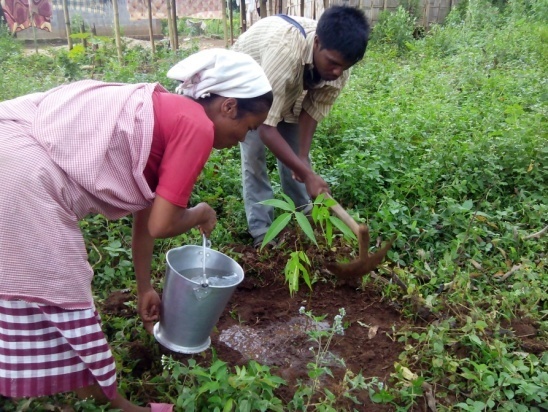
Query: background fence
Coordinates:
[427,11]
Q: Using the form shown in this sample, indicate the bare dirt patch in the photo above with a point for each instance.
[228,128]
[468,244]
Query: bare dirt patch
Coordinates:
[527,333]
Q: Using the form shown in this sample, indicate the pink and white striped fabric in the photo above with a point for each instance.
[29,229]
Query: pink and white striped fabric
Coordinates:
[74,150]
[46,350]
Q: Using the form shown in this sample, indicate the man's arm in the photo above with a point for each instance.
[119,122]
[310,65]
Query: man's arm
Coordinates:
[307,128]
[281,149]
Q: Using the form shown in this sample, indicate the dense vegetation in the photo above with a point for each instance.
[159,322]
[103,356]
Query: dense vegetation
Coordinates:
[439,139]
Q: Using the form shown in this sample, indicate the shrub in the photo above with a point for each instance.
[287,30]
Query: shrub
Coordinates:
[394,29]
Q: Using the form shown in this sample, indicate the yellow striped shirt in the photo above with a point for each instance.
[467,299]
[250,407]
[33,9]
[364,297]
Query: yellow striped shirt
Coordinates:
[282,51]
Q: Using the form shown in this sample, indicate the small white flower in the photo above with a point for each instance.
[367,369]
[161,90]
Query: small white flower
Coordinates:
[301,310]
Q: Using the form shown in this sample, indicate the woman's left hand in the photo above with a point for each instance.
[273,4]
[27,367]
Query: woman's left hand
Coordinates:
[149,308]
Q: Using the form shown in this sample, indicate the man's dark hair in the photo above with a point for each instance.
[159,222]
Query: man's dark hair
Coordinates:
[344,29]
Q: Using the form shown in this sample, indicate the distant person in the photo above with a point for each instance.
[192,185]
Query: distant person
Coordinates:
[110,148]
[307,64]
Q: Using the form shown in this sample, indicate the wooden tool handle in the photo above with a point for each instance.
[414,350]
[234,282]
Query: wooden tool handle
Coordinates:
[345,217]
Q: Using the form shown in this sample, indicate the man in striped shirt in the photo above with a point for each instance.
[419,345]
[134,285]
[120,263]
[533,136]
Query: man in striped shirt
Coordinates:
[307,64]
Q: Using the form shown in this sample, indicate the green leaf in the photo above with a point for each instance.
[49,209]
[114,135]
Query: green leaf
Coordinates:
[325,200]
[216,365]
[329,232]
[244,406]
[115,244]
[315,373]
[330,395]
[214,400]
[306,277]
[288,200]
[475,339]
[489,381]
[280,204]
[382,397]
[352,398]
[481,325]
[228,405]
[277,226]
[292,272]
[208,387]
[305,226]
[339,224]
[320,198]
[469,375]
[304,258]
[467,205]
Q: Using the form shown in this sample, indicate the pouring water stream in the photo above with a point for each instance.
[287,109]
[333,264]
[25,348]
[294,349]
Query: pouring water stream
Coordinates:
[205,281]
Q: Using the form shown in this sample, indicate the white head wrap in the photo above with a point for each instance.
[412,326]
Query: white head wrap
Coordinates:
[219,71]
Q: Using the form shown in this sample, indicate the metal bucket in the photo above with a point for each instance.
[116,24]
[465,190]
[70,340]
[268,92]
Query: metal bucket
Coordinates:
[189,311]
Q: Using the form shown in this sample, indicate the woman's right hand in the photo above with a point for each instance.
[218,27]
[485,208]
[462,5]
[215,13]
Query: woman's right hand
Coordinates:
[168,220]
[208,220]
